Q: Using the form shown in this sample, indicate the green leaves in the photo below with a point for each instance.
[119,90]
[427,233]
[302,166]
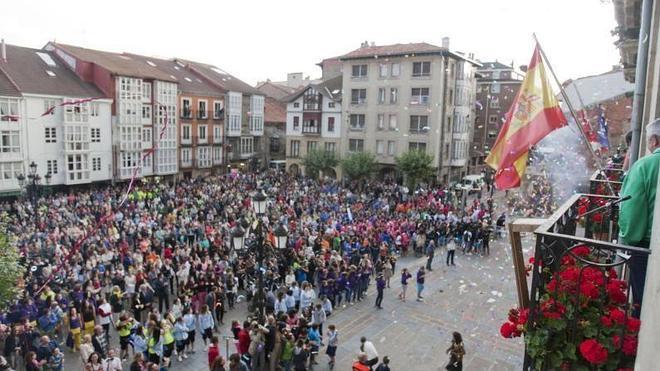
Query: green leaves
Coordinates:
[11,270]
[359,165]
[318,161]
[416,166]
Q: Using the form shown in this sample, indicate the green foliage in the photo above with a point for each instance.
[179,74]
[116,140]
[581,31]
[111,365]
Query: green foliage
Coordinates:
[416,166]
[318,161]
[359,165]
[10,269]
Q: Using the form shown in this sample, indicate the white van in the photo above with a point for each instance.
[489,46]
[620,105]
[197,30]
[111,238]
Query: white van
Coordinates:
[470,183]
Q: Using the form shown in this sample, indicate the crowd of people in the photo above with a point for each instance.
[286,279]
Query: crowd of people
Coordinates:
[163,272]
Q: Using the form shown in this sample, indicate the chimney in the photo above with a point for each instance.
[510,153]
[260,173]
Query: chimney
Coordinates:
[3,50]
[445,42]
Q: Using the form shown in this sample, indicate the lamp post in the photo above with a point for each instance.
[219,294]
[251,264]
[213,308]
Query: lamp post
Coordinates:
[32,182]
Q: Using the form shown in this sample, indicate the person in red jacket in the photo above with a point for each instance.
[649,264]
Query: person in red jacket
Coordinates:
[244,338]
[214,350]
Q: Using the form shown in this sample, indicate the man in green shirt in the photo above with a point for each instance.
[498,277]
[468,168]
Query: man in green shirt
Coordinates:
[636,214]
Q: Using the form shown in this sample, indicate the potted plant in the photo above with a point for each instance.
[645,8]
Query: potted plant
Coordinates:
[581,321]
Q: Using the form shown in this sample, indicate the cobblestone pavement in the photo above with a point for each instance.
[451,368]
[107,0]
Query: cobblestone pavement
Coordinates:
[472,297]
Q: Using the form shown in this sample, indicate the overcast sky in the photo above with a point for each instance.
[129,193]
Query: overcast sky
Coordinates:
[256,40]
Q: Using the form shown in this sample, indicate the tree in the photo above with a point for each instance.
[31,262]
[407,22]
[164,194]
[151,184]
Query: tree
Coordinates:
[416,166]
[359,165]
[11,271]
[317,161]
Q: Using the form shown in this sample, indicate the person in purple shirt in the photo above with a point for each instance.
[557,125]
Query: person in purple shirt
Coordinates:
[341,289]
[380,286]
[405,276]
[420,283]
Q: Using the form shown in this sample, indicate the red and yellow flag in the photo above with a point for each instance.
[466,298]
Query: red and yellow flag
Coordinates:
[534,114]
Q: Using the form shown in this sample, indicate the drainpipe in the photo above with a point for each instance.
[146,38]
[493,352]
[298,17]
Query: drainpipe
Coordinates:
[444,118]
[640,79]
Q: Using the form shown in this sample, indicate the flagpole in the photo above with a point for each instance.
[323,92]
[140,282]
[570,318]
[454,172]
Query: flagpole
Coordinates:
[577,122]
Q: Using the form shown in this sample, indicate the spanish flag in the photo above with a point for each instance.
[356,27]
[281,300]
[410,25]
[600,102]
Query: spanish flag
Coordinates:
[534,114]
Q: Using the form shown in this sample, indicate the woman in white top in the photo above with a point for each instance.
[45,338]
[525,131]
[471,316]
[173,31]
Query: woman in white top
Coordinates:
[289,278]
[86,348]
[307,295]
[130,282]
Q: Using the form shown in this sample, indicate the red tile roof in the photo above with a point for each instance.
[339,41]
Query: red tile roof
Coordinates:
[392,50]
[118,64]
[274,111]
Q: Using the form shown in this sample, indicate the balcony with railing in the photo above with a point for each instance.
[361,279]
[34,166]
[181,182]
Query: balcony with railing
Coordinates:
[186,113]
[581,311]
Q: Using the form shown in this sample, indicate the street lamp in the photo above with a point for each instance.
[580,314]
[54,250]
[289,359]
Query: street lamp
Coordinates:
[259,200]
[281,236]
[32,182]
[238,235]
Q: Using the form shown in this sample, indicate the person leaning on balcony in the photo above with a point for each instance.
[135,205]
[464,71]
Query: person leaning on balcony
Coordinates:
[636,214]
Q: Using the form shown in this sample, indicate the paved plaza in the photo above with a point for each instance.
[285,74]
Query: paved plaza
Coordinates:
[472,297]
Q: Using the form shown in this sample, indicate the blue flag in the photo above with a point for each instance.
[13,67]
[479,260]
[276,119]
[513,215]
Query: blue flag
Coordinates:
[602,132]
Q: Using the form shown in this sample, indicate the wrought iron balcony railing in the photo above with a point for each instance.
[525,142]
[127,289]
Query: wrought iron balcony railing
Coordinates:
[563,242]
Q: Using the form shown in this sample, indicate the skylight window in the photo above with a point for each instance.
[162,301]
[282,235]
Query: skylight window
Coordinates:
[180,64]
[50,73]
[177,68]
[125,57]
[173,77]
[152,64]
[188,79]
[47,59]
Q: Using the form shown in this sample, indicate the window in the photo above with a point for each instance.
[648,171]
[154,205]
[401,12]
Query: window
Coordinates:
[391,147]
[311,100]
[330,147]
[234,122]
[96,135]
[492,134]
[201,109]
[51,135]
[274,145]
[311,146]
[51,167]
[94,109]
[217,134]
[10,170]
[146,91]
[419,96]
[492,119]
[394,95]
[359,71]
[217,155]
[494,102]
[295,148]
[76,138]
[496,75]
[296,122]
[10,141]
[331,104]
[246,145]
[331,124]
[417,146]
[381,95]
[382,70]
[358,96]
[380,147]
[296,104]
[421,69]
[311,127]
[185,133]
[9,110]
[49,105]
[355,145]
[186,155]
[96,164]
[396,69]
[357,122]
[201,132]
[204,156]
[381,121]
[451,96]
[147,137]
[76,112]
[146,112]
[186,108]
[78,168]
[447,150]
[419,124]
[392,122]
[218,109]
